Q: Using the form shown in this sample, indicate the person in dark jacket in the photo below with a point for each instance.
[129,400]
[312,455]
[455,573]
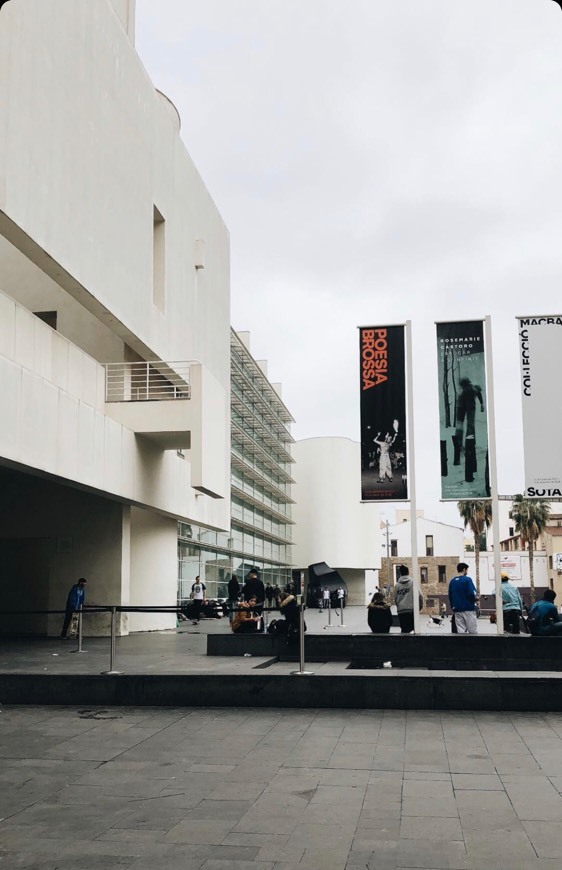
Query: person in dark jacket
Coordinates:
[74,603]
[254,588]
[544,619]
[290,610]
[233,595]
[379,615]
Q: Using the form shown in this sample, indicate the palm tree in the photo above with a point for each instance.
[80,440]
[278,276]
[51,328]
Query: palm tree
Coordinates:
[478,516]
[531,517]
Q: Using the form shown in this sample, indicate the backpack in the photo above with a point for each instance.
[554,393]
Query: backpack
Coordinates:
[277,627]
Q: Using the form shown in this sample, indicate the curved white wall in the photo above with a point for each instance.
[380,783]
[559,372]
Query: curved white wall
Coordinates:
[331,523]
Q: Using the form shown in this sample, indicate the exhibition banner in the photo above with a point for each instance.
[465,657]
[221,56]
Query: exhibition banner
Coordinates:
[383,413]
[463,425]
[540,352]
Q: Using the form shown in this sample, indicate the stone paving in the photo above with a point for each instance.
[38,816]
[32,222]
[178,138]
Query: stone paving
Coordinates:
[94,789]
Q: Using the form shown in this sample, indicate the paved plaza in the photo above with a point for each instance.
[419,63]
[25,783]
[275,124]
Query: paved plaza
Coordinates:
[181,789]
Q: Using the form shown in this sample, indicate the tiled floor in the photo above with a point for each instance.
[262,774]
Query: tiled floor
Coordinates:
[278,789]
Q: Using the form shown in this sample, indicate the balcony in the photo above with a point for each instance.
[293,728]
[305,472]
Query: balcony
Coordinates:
[152,399]
[147,381]
[176,406]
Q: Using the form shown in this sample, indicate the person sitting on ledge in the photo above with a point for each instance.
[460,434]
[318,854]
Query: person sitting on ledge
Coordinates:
[544,618]
[289,608]
[244,621]
[379,615]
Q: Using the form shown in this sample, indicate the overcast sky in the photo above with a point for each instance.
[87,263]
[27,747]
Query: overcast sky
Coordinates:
[375,161]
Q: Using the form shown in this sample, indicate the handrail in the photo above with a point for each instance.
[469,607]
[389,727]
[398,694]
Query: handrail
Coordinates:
[147,381]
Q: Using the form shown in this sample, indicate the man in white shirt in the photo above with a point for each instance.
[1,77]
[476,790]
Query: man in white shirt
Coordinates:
[197,598]
[326,597]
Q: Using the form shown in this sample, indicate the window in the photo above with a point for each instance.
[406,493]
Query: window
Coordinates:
[159,261]
[511,531]
[394,549]
[442,573]
[429,545]
[423,574]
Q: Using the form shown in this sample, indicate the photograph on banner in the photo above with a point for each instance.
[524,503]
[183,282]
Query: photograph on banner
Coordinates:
[540,353]
[463,425]
[384,463]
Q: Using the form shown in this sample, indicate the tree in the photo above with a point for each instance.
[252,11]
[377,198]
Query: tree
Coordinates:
[477,515]
[531,517]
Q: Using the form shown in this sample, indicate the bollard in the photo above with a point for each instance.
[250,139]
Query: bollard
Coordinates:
[301,672]
[342,624]
[79,648]
[265,619]
[112,646]
[330,615]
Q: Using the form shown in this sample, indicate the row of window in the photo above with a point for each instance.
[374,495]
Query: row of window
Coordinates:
[256,491]
[258,519]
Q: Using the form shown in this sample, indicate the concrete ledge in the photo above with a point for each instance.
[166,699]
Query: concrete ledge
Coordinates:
[443,652]
[384,690]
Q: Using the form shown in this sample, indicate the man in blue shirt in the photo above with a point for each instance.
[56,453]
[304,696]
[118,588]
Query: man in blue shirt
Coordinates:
[74,603]
[544,618]
[462,598]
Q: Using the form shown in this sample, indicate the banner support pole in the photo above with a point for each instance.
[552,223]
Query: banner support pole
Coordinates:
[412,475]
[492,460]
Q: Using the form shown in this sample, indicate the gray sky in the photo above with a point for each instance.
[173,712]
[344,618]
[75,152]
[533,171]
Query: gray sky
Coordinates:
[375,161]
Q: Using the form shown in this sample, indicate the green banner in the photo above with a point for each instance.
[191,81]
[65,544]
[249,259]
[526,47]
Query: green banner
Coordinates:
[463,424]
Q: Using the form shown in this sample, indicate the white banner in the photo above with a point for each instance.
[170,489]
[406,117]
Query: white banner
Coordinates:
[540,350]
[510,564]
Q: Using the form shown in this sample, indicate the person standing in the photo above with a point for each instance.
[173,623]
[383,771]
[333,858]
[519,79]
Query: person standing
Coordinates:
[74,603]
[512,606]
[462,598]
[404,600]
[269,593]
[340,596]
[254,588]
[325,598]
[233,595]
[197,598]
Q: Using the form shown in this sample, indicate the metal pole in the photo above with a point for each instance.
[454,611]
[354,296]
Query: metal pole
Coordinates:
[412,475]
[341,613]
[330,613]
[79,648]
[112,645]
[301,672]
[387,555]
[493,472]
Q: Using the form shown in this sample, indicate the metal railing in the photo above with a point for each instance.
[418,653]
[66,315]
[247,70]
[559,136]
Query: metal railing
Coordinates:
[153,381]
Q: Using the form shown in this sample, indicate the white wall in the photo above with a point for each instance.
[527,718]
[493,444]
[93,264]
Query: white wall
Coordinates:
[88,149]
[519,577]
[331,523]
[154,570]
[54,421]
[447,540]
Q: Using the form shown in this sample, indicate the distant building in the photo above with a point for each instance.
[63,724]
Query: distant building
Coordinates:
[439,547]
[261,481]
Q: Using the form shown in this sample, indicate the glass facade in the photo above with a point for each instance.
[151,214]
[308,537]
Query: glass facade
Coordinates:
[261,503]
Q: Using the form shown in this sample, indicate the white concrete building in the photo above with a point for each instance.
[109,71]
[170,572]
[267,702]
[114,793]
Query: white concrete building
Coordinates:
[114,320]
[331,524]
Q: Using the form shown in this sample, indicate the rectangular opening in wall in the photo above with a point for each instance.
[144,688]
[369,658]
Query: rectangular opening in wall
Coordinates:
[159,261]
[442,572]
